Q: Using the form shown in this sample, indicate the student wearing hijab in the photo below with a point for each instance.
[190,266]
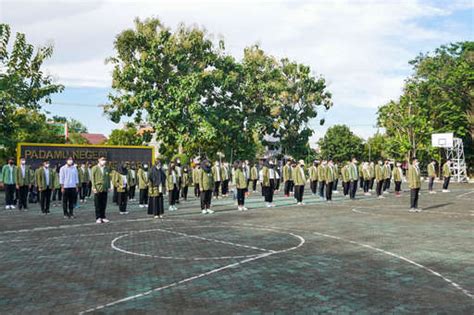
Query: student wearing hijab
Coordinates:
[196,175]
[185,182]
[172,182]
[156,187]
[121,183]
[299,180]
[268,182]
[206,185]
[240,184]
[142,178]
[133,183]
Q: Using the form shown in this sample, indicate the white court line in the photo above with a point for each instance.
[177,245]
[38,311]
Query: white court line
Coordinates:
[452,214]
[451,282]
[464,194]
[213,271]
[115,247]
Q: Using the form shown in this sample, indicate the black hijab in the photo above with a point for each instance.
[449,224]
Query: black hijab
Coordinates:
[206,166]
[123,169]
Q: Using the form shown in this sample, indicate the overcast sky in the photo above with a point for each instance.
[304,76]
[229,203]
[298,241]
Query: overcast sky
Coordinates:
[362,48]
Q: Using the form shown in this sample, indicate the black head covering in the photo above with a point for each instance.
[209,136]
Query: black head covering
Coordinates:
[123,169]
[206,166]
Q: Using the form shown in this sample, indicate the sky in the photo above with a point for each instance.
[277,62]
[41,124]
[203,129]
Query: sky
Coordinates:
[361,48]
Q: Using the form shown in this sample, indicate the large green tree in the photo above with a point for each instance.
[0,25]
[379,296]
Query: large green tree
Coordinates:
[437,97]
[23,85]
[341,144]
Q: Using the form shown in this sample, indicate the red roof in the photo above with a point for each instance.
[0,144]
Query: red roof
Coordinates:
[94,138]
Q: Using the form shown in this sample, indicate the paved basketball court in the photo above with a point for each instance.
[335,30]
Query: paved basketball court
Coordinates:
[364,256]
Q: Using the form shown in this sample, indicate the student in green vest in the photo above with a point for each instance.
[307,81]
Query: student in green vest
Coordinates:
[44,181]
[353,178]
[143,187]
[156,182]
[254,177]
[336,170]
[414,183]
[23,181]
[330,177]
[240,184]
[225,171]
[8,182]
[446,175]
[397,175]
[372,175]
[83,181]
[431,176]
[379,176]
[172,182]
[196,175]
[217,175]
[387,176]
[287,178]
[313,177]
[121,183]
[300,180]
[345,179]
[268,182]
[113,173]
[361,178]
[366,175]
[322,178]
[57,194]
[100,186]
[133,182]
[206,185]
[185,182]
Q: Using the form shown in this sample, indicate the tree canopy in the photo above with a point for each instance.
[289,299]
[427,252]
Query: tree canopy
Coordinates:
[340,144]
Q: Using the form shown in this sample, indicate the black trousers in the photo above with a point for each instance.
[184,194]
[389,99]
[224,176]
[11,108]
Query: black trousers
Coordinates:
[131,192]
[366,185]
[361,182]
[45,199]
[114,195]
[69,199]
[414,192]
[57,194]
[372,180]
[269,191]
[379,187]
[240,197]
[143,196]
[386,184]
[314,186]
[321,188]
[206,196]
[446,182]
[431,183]
[23,197]
[352,189]
[156,205]
[345,188]
[122,198]
[184,192]
[335,184]
[100,203]
[83,191]
[329,190]
[173,195]
[197,192]
[254,184]
[398,186]
[299,191]
[277,184]
[225,187]
[10,194]
[89,189]
[287,187]
[216,188]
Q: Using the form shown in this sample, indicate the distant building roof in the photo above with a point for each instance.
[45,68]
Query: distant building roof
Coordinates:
[94,138]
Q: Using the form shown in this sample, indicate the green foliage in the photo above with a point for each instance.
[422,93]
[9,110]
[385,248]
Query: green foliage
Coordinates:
[340,144]
[200,100]
[22,86]
[375,148]
[127,136]
[184,159]
[438,97]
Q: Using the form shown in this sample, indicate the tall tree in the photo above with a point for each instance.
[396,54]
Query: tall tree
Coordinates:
[23,85]
[341,144]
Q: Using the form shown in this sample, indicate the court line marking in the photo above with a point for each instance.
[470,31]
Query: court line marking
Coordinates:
[115,247]
[452,214]
[464,194]
[213,271]
[451,282]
